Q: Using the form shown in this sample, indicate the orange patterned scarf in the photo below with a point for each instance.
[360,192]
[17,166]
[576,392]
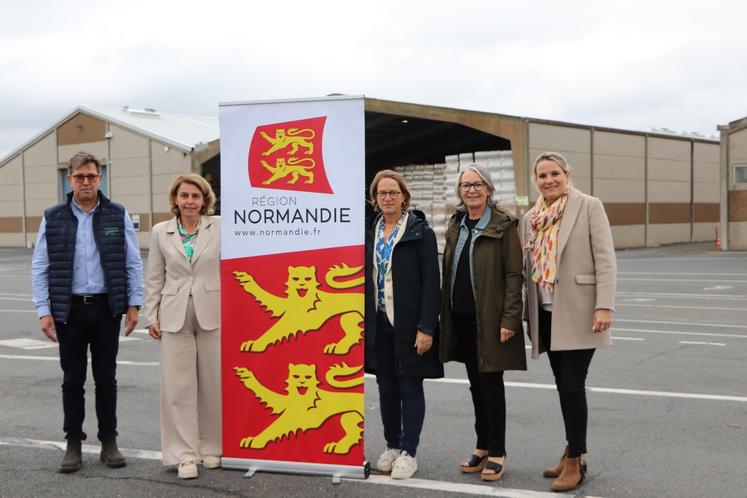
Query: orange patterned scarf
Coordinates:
[543,239]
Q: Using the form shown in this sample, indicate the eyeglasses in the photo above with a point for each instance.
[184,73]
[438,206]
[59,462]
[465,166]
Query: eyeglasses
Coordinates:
[465,187]
[81,178]
[383,194]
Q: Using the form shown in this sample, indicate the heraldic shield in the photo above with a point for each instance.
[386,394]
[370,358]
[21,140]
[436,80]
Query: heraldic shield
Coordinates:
[293,356]
[288,156]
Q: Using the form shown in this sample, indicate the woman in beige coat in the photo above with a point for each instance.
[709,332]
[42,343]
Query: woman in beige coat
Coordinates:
[570,270]
[182,310]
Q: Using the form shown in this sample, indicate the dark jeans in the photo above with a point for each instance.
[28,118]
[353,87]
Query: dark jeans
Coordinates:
[401,397]
[89,324]
[570,369]
[487,389]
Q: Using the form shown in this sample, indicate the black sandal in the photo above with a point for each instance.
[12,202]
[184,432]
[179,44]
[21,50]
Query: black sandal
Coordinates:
[474,464]
[497,471]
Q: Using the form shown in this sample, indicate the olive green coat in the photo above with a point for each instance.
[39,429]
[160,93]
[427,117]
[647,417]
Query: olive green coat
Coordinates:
[497,280]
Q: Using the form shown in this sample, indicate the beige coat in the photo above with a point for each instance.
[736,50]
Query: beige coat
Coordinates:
[171,279]
[585,281]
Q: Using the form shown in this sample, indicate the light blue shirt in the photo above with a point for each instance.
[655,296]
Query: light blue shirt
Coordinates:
[88,275]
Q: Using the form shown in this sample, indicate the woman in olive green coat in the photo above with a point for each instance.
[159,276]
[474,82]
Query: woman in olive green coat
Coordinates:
[481,311]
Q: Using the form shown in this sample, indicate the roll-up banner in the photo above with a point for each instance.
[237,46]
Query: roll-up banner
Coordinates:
[292,209]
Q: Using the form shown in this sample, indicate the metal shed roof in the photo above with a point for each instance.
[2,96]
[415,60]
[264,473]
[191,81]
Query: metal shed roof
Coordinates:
[179,130]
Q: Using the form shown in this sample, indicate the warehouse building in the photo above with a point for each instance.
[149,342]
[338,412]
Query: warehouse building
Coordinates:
[141,152]
[734,185]
[658,188]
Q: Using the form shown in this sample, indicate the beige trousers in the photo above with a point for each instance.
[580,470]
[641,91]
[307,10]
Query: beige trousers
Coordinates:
[190,392]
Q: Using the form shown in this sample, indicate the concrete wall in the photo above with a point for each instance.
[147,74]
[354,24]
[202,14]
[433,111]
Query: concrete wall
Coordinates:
[656,190]
[11,204]
[573,143]
[167,166]
[42,187]
[668,191]
[706,191]
[620,182]
[736,192]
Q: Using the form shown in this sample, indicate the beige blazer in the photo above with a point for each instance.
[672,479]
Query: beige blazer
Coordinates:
[171,279]
[585,281]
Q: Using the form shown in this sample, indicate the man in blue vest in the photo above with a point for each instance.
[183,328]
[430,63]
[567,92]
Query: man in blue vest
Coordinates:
[86,273]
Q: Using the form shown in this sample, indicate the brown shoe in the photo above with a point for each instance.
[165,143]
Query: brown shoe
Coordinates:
[110,454]
[73,458]
[555,470]
[571,476]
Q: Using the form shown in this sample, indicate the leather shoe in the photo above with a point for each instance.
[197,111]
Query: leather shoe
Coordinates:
[73,458]
[110,454]
[571,476]
[555,470]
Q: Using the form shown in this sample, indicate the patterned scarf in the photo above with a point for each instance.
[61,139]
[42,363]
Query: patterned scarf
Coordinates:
[543,239]
[188,239]
[384,249]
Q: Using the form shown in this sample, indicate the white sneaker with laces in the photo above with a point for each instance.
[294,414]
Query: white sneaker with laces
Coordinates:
[404,466]
[187,469]
[387,459]
[211,462]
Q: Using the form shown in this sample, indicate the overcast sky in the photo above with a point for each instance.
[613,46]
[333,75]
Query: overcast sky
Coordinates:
[636,65]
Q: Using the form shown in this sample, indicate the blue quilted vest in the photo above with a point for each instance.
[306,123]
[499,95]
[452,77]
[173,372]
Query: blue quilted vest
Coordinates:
[109,235]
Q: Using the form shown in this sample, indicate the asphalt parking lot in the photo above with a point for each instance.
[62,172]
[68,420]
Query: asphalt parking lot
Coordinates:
[668,403]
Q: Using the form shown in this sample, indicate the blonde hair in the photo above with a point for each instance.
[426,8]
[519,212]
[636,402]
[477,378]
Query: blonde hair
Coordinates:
[388,173]
[201,184]
[555,157]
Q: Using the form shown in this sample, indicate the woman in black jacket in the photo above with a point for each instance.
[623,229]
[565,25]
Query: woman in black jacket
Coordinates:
[402,304]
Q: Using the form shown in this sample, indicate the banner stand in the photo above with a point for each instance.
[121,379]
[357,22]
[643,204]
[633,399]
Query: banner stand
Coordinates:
[337,472]
[292,286]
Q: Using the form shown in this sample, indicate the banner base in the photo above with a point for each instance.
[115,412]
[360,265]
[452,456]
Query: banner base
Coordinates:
[336,472]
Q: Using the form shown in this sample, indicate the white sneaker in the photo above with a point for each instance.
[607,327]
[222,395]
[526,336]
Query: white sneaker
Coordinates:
[404,466]
[211,462]
[387,459]
[187,469]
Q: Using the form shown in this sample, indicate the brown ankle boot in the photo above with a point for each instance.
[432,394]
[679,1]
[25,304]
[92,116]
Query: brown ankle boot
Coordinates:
[555,470]
[571,476]
[73,458]
[110,454]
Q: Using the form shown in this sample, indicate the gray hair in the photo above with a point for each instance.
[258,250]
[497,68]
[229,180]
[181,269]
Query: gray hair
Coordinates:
[555,157]
[484,174]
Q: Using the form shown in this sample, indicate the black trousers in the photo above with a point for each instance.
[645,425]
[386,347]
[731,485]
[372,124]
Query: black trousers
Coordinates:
[89,325]
[487,390]
[570,369]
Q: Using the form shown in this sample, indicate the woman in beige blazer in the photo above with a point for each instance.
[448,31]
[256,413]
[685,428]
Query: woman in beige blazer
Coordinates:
[570,269]
[182,310]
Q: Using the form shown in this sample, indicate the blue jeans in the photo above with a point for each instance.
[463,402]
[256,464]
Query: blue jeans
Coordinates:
[401,398]
[89,325]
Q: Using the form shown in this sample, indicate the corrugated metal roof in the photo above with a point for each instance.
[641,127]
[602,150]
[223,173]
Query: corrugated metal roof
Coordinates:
[179,130]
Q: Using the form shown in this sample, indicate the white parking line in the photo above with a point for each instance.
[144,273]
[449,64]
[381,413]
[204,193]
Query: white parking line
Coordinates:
[672,306]
[528,385]
[470,489]
[56,358]
[679,332]
[659,279]
[707,274]
[701,343]
[694,324]
[682,295]
[16,311]
[453,487]
[618,338]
